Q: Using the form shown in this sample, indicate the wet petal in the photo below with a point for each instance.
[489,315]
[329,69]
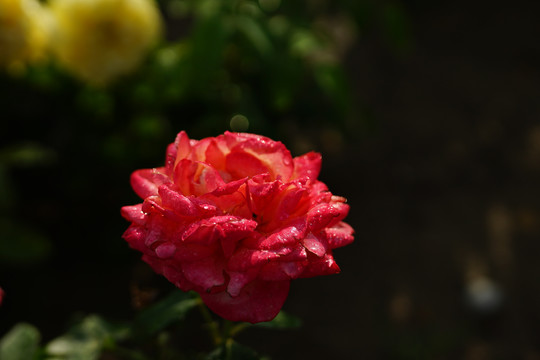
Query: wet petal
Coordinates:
[205,273]
[147,181]
[258,301]
[338,235]
[314,245]
[134,214]
[307,165]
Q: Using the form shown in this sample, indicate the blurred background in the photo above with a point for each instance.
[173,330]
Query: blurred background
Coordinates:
[426,114]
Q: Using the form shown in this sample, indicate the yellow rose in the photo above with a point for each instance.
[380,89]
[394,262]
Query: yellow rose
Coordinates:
[99,40]
[25,28]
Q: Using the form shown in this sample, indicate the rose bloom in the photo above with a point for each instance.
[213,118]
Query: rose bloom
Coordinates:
[25,28]
[235,218]
[100,40]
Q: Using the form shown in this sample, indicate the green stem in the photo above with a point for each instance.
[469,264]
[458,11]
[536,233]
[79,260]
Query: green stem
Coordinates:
[238,328]
[212,325]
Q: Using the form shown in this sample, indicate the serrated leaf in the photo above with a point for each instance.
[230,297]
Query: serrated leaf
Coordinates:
[20,343]
[281,321]
[158,316]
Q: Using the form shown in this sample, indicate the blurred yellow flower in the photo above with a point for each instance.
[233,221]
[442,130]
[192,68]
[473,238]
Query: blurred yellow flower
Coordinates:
[25,28]
[99,40]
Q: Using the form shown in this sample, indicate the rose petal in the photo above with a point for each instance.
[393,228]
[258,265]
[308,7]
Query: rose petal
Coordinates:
[208,231]
[171,273]
[180,149]
[205,273]
[307,165]
[214,156]
[180,204]
[272,154]
[147,181]
[339,235]
[314,245]
[193,252]
[324,215]
[279,271]
[165,250]
[285,237]
[245,259]
[135,236]
[242,164]
[134,214]
[237,280]
[258,301]
[325,265]
[196,178]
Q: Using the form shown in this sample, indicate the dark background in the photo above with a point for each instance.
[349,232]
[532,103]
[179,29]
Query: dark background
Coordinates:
[441,169]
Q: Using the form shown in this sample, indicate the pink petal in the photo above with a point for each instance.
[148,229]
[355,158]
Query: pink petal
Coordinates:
[180,204]
[196,178]
[307,165]
[165,250]
[282,238]
[289,202]
[237,280]
[258,301]
[273,154]
[134,214]
[171,273]
[214,156]
[338,235]
[135,236]
[193,252]
[205,273]
[245,259]
[207,231]
[180,149]
[314,245]
[324,215]
[261,192]
[147,181]
[242,164]
[325,265]
[279,271]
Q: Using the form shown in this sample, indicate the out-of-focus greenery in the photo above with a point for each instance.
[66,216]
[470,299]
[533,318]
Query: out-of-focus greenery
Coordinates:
[68,144]
[271,67]
[149,336]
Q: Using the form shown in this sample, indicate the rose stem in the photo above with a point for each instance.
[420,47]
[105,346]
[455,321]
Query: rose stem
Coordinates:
[212,325]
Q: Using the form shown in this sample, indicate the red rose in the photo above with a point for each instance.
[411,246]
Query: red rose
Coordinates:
[235,218]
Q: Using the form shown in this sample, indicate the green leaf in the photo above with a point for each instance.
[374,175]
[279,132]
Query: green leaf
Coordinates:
[20,343]
[254,32]
[86,340]
[281,321]
[158,316]
[231,350]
